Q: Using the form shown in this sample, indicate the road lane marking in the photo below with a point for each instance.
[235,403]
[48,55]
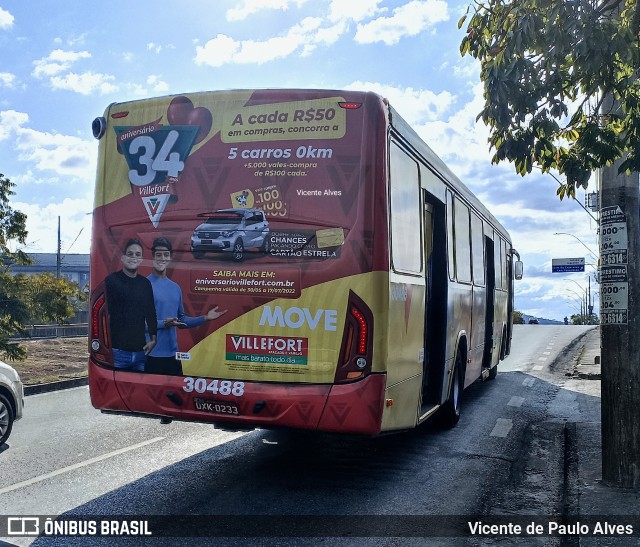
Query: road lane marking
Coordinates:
[542,358]
[528,381]
[57,472]
[515,401]
[502,428]
[538,367]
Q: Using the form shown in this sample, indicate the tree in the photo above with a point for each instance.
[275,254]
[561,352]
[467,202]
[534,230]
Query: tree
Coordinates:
[562,93]
[25,298]
[583,319]
[518,319]
[48,298]
[13,225]
[547,66]
[13,310]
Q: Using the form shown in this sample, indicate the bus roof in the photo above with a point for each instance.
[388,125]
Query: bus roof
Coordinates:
[414,140]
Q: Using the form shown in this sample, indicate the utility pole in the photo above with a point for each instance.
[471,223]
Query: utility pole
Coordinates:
[58,259]
[620,323]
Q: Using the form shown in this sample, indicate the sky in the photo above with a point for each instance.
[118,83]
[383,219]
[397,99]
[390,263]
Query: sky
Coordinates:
[62,63]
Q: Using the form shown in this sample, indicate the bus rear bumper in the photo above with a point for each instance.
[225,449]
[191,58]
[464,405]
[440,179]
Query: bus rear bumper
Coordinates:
[343,408]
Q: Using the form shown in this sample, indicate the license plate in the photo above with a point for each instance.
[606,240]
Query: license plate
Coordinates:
[216,407]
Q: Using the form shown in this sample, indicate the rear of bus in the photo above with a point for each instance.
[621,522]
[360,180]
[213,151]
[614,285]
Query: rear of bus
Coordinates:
[274,205]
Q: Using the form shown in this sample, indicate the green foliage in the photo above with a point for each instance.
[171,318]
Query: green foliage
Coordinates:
[12,225]
[550,69]
[32,299]
[585,319]
[518,318]
[14,313]
[48,299]
[26,299]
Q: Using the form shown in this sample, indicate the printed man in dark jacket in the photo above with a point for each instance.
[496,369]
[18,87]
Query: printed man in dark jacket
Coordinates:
[131,311]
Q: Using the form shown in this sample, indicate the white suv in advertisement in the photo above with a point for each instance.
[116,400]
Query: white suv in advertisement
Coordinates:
[11,400]
[232,231]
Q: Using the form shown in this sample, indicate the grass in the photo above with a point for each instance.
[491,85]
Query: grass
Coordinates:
[53,359]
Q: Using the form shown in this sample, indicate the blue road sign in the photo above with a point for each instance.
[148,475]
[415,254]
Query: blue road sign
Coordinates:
[562,265]
[567,268]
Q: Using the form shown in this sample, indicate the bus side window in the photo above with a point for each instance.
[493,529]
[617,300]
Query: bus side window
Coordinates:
[404,190]
[498,260]
[450,239]
[477,250]
[505,266]
[463,242]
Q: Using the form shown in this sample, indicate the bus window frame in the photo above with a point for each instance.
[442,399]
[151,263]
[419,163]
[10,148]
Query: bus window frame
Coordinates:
[478,250]
[395,144]
[462,244]
[498,260]
[450,236]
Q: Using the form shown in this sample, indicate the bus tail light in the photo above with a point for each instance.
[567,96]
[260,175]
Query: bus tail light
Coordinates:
[349,105]
[357,342]
[100,344]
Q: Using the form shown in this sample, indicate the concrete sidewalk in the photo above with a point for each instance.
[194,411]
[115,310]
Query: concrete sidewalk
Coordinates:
[590,496]
[588,363]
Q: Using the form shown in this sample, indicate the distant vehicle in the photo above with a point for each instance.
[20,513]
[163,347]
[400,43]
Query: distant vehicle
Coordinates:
[11,400]
[533,321]
[231,231]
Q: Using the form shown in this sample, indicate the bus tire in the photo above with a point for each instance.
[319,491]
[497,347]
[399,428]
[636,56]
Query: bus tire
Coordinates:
[450,411]
[503,345]
[493,372]
[238,250]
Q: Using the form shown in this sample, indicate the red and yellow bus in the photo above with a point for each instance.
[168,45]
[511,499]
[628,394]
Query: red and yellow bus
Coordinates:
[358,285]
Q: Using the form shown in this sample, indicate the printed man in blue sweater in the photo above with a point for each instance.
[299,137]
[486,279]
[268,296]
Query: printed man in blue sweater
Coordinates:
[167,296]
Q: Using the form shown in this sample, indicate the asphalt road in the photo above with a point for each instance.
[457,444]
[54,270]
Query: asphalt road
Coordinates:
[505,457]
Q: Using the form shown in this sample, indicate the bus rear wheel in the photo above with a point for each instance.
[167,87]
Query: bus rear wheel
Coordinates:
[450,411]
[493,372]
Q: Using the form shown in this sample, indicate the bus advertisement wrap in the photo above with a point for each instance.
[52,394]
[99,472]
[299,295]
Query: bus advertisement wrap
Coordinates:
[253,197]
[287,258]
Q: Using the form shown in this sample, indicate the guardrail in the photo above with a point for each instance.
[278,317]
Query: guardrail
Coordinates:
[57,331]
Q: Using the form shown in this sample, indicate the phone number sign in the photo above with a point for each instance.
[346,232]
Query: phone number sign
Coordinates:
[614,251]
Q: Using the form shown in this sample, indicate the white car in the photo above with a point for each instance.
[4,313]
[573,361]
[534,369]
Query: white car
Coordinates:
[11,400]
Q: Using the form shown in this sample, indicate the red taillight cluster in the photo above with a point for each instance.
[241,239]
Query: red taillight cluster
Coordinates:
[357,342]
[99,341]
[95,316]
[363,330]
[349,106]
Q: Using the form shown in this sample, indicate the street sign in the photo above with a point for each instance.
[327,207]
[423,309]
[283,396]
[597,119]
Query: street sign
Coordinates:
[562,265]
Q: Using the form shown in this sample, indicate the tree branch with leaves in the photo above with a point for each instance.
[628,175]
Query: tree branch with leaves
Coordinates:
[546,66]
[24,298]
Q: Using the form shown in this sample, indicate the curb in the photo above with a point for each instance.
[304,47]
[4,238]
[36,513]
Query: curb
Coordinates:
[55,386]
